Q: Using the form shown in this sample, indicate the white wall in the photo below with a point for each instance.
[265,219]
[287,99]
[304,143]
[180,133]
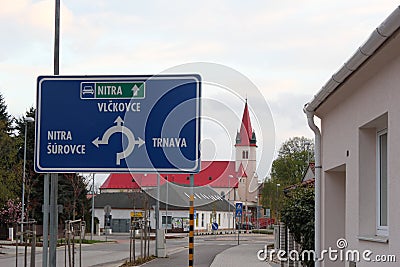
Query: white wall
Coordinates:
[116,214]
[125,214]
[349,125]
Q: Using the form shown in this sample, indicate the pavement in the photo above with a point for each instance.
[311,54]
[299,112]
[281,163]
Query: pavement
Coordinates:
[214,251]
[241,255]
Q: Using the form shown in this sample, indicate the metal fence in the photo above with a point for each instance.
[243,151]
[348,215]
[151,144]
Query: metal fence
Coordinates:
[284,241]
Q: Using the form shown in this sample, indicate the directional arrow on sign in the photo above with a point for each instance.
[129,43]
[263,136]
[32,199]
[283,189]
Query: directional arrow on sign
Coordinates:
[135,90]
[119,128]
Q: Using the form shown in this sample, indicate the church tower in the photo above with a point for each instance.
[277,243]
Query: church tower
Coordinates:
[245,161]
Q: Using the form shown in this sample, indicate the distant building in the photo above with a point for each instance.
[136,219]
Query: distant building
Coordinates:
[210,207]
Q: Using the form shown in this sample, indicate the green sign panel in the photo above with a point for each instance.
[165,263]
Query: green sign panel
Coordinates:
[112,90]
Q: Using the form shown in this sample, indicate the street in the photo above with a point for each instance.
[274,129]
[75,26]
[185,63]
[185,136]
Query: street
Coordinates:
[116,251]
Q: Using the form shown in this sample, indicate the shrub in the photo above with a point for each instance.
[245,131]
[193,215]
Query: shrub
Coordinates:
[298,215]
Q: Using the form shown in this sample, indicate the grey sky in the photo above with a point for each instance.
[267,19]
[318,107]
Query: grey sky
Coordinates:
[288,49]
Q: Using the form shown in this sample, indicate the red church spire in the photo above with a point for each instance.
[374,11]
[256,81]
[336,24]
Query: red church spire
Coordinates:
[246,136]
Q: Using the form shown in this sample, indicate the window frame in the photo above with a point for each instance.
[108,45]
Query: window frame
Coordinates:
[381,230]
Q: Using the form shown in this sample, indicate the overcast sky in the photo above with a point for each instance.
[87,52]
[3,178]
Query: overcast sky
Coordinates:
[287,49]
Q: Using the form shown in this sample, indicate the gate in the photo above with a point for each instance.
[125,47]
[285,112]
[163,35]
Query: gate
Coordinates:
[120,225]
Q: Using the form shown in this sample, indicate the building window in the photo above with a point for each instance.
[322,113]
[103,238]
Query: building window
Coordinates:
[219,219]
[166,221]
[202,220]
[197,220]
[382,183]
[245,154]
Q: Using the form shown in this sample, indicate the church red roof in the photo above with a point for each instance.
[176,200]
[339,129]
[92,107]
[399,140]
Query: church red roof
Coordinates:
[120,181]
[213,173]
[246,136]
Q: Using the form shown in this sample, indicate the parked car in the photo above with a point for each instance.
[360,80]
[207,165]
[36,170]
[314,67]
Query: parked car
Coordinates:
[245,226]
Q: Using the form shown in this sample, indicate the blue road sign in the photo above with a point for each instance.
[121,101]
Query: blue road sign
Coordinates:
[239,206]
[214,226]
[239,209]
[118,123]
[238,213]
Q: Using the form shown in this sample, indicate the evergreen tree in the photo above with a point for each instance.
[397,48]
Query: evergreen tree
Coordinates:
[5,118]
[10,168]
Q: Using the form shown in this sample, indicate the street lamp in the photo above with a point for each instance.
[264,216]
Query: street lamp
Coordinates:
[277,201]
[26,120]
[307,147]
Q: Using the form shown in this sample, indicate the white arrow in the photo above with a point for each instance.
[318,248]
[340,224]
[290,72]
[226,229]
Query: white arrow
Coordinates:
[122,129]
[139,142]
[98,142]
[135,90]
[119,121]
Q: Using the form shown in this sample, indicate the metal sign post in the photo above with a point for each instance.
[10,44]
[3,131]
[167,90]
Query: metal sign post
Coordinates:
[238,215]
[191,222]
[54,179]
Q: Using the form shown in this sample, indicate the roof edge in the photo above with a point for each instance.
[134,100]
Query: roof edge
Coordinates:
[377,38]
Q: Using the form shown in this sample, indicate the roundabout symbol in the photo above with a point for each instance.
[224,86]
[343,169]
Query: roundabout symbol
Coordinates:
[119,128]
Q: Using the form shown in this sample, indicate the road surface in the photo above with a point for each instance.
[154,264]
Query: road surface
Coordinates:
[114,252]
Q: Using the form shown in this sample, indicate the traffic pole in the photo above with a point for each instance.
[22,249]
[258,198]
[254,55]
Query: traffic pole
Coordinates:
[45,220]
[191,222]
[54,176]
[157,214]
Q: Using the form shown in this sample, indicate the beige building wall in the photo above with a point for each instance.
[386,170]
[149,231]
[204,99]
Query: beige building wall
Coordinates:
[350,119]
[249,165]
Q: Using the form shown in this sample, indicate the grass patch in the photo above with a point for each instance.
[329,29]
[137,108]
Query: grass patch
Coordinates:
[263,231]
[139,261]
[88,241]
[62,241]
